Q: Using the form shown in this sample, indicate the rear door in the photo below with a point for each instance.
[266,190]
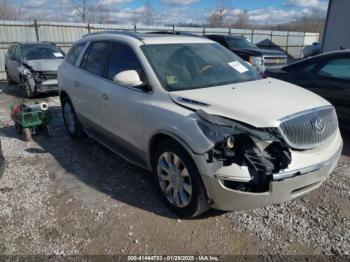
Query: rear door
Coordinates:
[69,73]
[89,81]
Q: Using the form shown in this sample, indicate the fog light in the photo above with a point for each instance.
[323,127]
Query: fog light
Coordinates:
[230,142]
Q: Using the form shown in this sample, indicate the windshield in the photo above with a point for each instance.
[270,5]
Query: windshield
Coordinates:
[234,43]
[190,66]
[41,52]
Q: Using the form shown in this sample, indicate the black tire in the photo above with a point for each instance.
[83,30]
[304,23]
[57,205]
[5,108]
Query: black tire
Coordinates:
[199,202]
[78,130]
[27,92]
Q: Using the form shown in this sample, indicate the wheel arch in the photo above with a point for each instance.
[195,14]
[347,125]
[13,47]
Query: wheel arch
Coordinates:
[63,94]
[162,136]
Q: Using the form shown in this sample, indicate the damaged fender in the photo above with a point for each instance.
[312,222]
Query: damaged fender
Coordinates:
[260,150]
[27,77]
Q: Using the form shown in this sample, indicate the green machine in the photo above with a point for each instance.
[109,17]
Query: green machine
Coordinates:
[31,118]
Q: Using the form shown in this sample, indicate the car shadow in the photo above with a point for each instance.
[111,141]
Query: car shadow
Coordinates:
[99,168]
[346,138]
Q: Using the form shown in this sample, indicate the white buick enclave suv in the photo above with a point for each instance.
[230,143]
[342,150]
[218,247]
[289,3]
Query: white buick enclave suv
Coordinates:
[214,132]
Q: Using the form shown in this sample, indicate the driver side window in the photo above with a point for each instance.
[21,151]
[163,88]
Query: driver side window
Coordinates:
[122,59]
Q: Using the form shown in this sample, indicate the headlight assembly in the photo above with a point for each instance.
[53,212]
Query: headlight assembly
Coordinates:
[260,149]
[219,129]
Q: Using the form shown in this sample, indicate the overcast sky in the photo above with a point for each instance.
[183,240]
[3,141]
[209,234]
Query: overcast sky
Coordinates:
[177,11]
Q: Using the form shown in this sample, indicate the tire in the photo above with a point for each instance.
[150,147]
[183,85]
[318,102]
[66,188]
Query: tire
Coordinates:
[73,126]
[192,199]
[28,93]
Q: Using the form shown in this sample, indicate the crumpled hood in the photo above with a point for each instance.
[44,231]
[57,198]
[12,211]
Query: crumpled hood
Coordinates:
[44,64]
[258,103]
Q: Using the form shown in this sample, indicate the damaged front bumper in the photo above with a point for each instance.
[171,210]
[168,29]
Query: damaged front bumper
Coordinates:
[39,82]
[306,172]
[47,86]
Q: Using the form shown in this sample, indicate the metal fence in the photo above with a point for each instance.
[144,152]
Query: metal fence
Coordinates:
[65,34]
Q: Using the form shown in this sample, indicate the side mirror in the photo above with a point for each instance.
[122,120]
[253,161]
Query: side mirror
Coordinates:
[129,78]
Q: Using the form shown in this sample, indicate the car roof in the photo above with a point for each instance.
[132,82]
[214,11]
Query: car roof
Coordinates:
[335,52]
[147,38]
[228,36]
[330,53]
[31,44]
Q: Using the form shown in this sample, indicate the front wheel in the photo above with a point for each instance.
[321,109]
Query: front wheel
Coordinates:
[74,127]
[179,181]
[28,93]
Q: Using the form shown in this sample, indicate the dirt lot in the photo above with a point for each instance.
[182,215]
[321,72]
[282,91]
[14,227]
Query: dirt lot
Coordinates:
[60,196]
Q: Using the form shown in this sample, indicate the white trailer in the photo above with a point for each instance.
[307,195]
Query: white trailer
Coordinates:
[337,30]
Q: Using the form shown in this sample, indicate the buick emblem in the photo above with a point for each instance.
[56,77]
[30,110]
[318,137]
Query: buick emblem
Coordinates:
[319,125]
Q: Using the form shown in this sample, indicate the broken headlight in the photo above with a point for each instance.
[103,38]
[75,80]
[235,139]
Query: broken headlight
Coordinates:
[262,150]
[219,129]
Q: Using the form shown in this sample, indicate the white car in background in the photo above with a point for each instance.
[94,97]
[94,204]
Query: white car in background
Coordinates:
[214,132]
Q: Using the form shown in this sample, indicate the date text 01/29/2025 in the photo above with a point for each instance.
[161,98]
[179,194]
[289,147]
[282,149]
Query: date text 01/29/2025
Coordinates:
[173,258]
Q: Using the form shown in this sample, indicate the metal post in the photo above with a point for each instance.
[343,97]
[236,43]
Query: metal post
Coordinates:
[271,39]
[287,44]
[303,45]
[36,28]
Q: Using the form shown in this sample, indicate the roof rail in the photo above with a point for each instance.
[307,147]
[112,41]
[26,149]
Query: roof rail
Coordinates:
[170,32]
[126,33]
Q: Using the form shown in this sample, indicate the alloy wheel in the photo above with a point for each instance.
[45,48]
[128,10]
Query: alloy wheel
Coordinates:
[174,179]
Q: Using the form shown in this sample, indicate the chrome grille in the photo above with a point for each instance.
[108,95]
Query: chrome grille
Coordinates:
[275,60]
[309,129]
[49,75]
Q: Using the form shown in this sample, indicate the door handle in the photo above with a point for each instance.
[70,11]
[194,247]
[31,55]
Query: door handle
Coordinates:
[104,96]
[76,84]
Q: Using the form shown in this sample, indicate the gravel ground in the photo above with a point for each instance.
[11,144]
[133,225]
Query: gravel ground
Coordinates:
[60,196]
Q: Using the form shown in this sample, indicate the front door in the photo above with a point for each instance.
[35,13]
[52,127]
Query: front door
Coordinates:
[121,107]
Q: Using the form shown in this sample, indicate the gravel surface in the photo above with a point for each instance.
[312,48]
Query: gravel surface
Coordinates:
[60,196]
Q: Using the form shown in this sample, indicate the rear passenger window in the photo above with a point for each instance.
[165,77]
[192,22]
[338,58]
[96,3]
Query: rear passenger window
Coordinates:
[337,68]
[96,57]
[74,53]
[123,58]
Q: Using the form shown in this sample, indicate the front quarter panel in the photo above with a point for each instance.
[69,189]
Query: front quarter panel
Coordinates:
[166,117]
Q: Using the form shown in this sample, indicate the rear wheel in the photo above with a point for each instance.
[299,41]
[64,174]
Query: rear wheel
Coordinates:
[73,125]
[179,181]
